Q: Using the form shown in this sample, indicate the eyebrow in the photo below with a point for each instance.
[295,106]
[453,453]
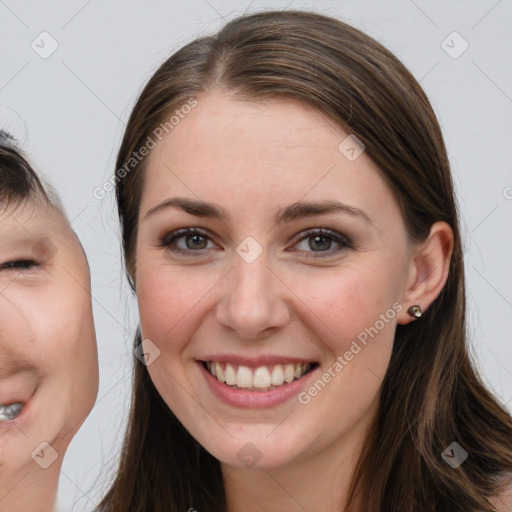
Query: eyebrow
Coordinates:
[289,213]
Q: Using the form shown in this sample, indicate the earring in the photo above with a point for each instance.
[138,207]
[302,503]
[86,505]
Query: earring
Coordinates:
[415,311]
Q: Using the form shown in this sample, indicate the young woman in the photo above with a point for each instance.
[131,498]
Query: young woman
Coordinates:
[290,230]
[48,356]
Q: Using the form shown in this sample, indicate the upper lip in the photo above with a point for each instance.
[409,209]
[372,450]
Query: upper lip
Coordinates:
[255,362]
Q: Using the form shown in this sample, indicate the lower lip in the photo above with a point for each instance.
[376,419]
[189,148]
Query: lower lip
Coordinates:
[21,420]
[255,399]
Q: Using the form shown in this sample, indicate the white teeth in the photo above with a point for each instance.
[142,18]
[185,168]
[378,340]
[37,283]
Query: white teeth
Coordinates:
[261,378]
[289,373]
[220,372]
[230,375]
[11,411]
[244,377]
[277,375]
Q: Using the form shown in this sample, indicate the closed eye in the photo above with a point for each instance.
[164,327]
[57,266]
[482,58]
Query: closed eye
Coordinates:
[193,240]
[20,265]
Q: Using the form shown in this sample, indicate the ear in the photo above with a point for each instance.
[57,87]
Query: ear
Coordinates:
[428,270]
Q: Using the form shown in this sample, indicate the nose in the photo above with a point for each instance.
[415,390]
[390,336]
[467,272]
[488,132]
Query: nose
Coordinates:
[254,300]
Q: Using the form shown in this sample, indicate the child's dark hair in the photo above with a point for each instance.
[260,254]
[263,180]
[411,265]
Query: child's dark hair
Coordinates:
[18,180]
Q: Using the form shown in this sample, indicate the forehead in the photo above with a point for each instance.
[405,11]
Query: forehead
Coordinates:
[31,219]
[277,152]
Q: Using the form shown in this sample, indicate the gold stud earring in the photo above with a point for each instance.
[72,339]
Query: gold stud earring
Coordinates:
[415,311]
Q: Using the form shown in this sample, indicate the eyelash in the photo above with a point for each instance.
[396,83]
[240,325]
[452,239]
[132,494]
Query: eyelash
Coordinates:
[173,236]
[19,265]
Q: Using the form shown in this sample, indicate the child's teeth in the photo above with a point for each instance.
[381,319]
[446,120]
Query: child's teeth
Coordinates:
[11,411]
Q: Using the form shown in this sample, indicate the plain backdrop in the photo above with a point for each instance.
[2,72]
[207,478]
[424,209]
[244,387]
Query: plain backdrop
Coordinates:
[69,110]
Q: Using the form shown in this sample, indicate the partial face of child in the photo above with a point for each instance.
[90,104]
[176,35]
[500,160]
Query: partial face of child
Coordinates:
[48,355]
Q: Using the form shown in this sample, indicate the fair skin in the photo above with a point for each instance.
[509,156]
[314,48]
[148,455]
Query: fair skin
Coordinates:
[48,355]
[293,300]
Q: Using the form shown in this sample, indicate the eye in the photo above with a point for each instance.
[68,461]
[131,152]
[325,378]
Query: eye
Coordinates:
[194,240]
[19,265]
[190,240]
[321,241]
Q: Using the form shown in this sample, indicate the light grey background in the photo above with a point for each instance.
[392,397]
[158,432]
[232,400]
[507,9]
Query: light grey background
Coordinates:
[70,109]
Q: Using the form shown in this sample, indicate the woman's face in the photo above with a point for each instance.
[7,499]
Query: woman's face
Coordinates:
[268,281]
[48,356]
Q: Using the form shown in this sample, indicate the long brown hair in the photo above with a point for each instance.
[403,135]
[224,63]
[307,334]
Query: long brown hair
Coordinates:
[431,395]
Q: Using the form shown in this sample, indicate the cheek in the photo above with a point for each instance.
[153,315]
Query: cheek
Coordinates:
[64,330]
[345,302]
[166,300]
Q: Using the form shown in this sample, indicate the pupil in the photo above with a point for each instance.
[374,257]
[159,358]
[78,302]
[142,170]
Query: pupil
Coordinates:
[319,246]
[196,238]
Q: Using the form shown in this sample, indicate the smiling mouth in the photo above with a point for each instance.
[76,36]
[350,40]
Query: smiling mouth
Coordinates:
[11,411]
[263,378]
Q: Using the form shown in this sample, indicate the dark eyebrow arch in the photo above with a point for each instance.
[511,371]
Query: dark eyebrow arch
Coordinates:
[289,213]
